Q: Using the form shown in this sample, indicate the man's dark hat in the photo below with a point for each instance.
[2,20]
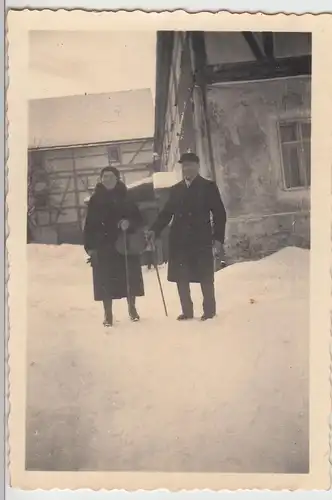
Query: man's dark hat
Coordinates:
[189,157]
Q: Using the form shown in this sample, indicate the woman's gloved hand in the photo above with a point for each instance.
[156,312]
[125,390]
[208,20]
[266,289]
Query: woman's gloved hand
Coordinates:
[124,224]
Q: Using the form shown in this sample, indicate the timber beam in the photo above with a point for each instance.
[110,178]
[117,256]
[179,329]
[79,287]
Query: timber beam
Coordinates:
[253,45]
[258,70]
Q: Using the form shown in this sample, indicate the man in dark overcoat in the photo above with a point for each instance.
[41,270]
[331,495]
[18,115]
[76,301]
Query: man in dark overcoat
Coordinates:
[194,235]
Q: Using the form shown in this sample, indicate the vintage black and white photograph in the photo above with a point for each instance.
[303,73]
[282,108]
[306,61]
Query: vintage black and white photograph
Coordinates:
[133,195]
[168,243]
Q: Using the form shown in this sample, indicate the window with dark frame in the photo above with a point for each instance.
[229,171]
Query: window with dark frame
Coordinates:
[114,155]
[295,142]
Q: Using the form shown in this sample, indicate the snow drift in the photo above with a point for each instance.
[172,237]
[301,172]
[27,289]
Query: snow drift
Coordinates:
[229,395]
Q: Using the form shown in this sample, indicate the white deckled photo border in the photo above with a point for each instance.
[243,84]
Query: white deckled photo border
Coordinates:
[19,23]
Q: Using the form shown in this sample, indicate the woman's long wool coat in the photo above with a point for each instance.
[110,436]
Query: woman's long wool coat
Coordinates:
[101,231]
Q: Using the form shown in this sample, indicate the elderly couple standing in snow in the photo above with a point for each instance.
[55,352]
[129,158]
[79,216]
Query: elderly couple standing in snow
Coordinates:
[192,240]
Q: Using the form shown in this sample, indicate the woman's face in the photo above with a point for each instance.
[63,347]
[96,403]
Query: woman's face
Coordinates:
[109,180]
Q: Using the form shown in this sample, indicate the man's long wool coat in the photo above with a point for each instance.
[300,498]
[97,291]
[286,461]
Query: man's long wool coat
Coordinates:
[198,218]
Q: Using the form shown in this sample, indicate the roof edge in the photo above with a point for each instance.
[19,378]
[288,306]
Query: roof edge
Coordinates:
[86,145]
[87,94]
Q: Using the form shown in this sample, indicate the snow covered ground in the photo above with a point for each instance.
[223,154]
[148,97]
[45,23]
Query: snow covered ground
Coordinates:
[229,395]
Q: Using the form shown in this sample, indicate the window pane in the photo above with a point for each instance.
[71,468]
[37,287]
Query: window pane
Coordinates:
[307,160]
[306,130]
[113,155]
[291,166]
[288,132]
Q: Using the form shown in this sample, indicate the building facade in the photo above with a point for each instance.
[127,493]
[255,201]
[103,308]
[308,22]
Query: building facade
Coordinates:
[71,140]
[242,102]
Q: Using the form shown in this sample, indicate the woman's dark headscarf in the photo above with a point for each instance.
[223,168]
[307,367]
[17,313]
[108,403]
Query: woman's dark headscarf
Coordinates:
[119,191]
[114,171]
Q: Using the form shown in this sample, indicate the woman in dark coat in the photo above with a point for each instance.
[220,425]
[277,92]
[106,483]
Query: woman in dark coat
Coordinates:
[109,213]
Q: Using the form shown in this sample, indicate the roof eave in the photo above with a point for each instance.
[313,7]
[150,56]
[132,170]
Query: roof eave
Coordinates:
[88,144]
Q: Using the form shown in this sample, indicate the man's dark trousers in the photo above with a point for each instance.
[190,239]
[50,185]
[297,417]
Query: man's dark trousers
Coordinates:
[209,301]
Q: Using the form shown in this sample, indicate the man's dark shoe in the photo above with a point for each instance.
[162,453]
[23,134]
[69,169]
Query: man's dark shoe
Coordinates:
[185,317]
[205,317]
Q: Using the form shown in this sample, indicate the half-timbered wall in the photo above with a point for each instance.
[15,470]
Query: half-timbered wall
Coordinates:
[64,178]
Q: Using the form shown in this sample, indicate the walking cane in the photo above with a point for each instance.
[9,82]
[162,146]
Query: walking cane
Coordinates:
[155,265]
[126,263]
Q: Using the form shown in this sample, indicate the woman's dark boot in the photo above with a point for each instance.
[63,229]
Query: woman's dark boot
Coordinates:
[133,314]
[108,312]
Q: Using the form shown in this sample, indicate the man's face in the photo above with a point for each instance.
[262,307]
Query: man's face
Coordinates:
[190,169]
